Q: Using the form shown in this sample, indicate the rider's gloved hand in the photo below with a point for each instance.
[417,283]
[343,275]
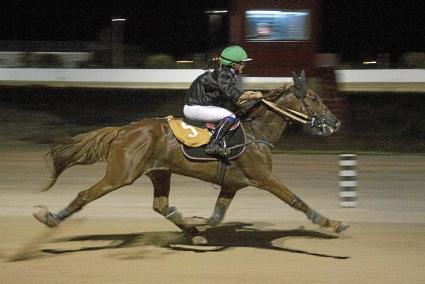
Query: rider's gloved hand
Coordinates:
[258,95]
[250,95]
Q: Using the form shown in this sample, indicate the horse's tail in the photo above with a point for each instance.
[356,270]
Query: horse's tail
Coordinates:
[83,149]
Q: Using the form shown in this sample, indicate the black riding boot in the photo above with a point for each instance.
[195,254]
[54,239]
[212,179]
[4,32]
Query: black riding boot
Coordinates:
[215,146]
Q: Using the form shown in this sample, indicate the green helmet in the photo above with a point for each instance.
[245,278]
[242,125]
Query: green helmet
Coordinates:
[233,54]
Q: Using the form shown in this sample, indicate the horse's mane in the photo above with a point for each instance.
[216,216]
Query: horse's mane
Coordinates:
[249,110]
[286,89]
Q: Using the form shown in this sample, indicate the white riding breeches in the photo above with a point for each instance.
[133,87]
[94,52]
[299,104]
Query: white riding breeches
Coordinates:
[207,113]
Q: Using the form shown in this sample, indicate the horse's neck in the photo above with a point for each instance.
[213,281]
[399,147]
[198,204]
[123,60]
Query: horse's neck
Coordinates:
[270,126]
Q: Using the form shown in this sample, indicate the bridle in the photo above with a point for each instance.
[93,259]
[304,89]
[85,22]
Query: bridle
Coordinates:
[313,120]
[310,119]
[290,113]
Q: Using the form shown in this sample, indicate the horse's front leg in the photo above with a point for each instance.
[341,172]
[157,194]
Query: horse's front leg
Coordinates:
[269,182]
[189,224]
[224,199]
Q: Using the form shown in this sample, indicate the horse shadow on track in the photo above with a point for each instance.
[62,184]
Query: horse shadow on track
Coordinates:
[224,237]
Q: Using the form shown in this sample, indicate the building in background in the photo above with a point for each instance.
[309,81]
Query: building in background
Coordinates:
[281,36]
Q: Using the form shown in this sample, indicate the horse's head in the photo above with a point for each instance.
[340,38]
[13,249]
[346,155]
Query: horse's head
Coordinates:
[299,103]
[295,102]
[321,121]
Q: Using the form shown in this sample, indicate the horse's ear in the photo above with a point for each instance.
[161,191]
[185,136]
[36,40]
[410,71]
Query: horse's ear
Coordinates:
[302,76]
[304,80]
[300,84]
[294,76]
[296,79]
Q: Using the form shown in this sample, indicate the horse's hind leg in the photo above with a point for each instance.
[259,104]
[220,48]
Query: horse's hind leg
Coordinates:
[120,171]
[161,180]
[84,197]
[161,183]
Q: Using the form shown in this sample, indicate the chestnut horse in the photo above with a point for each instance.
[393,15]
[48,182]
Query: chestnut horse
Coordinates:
[149,147]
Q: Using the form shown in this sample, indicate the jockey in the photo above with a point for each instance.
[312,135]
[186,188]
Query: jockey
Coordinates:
[209,96]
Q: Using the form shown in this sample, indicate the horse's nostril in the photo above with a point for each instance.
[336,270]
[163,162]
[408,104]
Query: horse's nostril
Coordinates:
[337,124]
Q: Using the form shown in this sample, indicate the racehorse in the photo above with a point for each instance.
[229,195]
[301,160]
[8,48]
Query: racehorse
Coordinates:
[149,147]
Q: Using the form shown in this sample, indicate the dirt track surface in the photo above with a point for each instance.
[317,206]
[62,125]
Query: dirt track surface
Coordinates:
[119,239]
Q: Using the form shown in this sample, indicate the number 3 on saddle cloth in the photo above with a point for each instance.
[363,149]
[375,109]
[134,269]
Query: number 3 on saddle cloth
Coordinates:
[195,135]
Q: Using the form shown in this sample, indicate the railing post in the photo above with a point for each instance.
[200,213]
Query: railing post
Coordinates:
[348,180]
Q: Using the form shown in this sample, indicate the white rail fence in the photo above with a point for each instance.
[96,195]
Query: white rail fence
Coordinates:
[382,80]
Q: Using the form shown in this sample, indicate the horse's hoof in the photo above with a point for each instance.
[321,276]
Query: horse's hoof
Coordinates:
[194,221]
[44,216]
[199,241]
[189,232]
[341,227]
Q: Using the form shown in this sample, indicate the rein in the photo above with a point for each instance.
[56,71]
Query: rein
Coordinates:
[312,121]
[309,119]
[295,115]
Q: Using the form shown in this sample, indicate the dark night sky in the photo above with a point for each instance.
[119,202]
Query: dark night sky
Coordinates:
[362,26]
[347,27]
[153,24]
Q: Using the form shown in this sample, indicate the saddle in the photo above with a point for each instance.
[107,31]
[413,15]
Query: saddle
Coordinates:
[195,135]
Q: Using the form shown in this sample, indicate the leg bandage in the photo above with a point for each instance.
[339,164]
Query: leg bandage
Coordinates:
[173,215]
[61,214]
[217,215]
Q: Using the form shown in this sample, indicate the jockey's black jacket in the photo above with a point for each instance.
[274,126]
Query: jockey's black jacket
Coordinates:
[214,88]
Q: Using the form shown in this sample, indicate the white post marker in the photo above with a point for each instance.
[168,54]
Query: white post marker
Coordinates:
[348,180]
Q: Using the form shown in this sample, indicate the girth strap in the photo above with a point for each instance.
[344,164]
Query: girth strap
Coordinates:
[219,179]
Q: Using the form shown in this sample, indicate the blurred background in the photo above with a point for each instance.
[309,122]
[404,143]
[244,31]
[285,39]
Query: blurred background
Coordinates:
[365,58]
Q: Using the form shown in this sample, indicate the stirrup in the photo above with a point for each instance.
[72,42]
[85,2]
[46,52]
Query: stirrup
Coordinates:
[217,150]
